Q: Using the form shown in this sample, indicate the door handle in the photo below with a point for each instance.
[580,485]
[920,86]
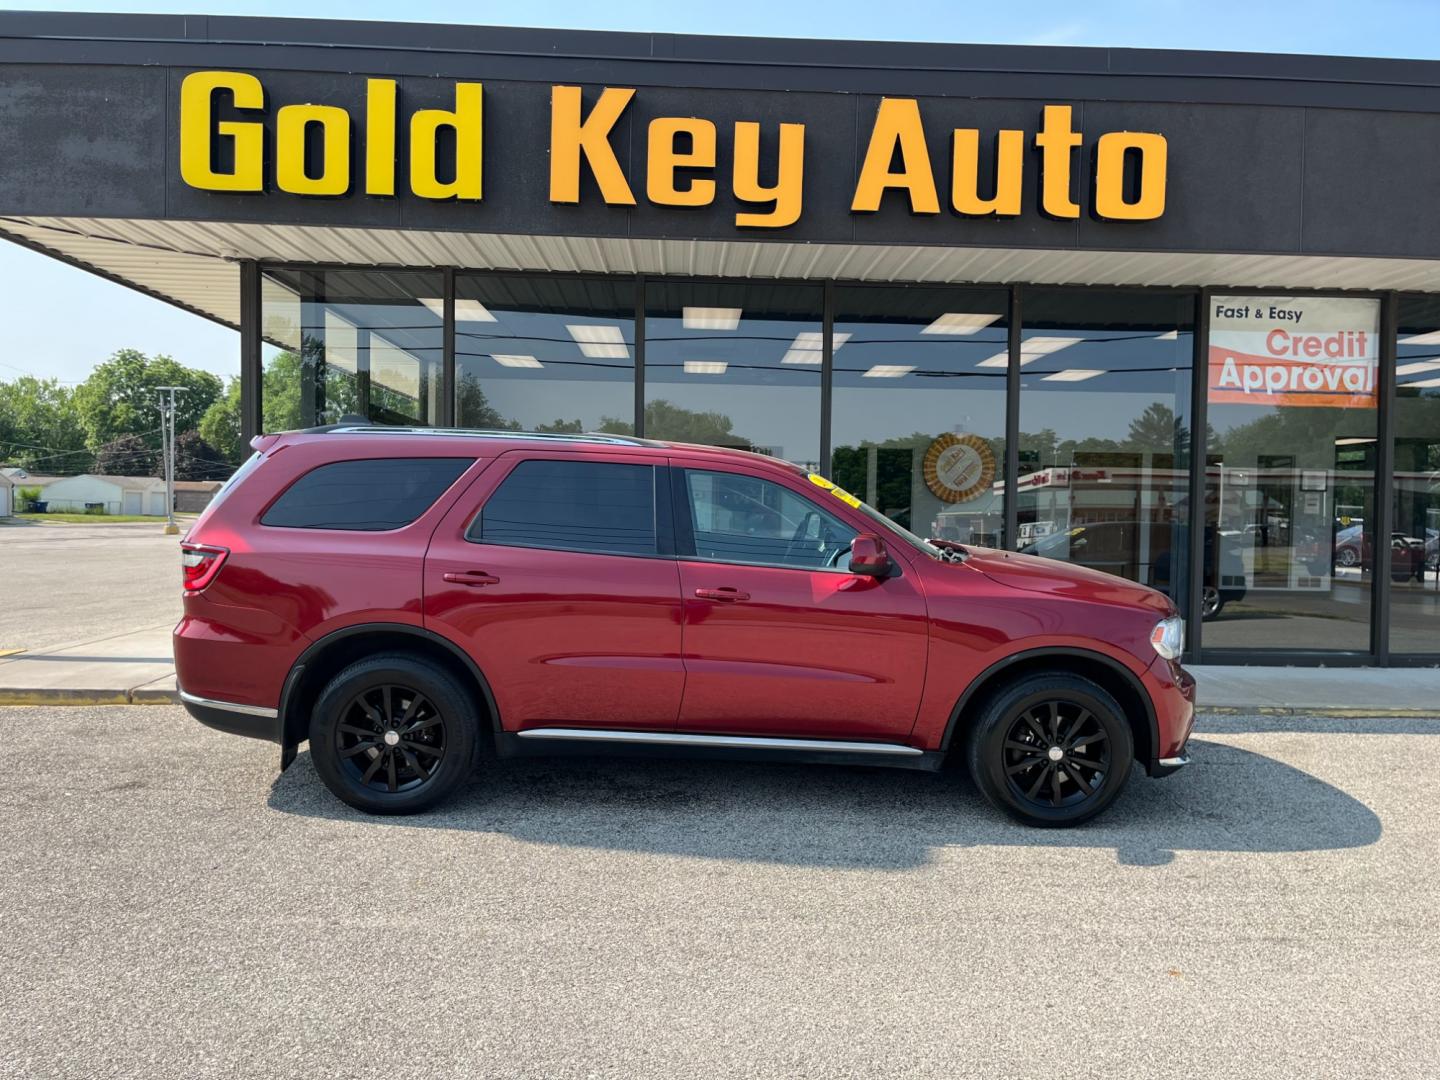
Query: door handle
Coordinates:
[475,578]
[725,593]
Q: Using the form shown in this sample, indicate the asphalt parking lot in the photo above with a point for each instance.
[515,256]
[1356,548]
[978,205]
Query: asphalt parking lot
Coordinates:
[174,907]
[74,583]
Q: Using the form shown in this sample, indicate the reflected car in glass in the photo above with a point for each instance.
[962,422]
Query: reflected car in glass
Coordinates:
[1353,550]
[412,601]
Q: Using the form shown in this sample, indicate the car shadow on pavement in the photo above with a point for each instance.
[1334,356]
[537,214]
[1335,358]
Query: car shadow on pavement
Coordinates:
[1227,800]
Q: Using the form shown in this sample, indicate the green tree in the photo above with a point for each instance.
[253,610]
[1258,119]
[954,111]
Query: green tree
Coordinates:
[473,408]
[280,393]
[196,459]
[121,397]
[40,429]
[220,426]
[129,455]
[665,420]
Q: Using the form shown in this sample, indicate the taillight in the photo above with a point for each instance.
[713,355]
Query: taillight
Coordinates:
[199,563]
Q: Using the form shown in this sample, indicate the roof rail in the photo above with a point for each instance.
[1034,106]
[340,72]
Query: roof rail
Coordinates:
[353,426]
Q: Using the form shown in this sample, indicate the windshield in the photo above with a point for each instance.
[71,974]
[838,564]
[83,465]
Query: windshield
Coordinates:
[876,516]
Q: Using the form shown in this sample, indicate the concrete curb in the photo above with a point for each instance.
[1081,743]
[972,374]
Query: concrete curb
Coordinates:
[139,696]
[1301,710]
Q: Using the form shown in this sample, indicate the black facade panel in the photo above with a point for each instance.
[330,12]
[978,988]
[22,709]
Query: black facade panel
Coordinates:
[82,141]
[1371,183]
[1234,177]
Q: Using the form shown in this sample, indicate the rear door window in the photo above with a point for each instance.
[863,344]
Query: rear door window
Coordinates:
[371,495]
[596,506]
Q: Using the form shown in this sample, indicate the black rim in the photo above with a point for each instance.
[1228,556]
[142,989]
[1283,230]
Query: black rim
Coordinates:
[390,738]
[1056,754]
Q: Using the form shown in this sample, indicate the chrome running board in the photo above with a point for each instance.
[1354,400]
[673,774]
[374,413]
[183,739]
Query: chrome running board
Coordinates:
[718,742]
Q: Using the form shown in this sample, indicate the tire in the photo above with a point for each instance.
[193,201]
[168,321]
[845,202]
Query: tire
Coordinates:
[1212,603]
[354,744]
[1012,777]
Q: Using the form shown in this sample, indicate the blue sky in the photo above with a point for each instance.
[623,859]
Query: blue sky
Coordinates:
[61,321]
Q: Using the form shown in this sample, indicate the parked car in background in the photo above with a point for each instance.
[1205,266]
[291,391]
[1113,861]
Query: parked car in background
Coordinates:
[409,600]
[1352,548]
[1110,546]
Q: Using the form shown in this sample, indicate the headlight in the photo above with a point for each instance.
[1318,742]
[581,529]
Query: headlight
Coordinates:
[1168,637]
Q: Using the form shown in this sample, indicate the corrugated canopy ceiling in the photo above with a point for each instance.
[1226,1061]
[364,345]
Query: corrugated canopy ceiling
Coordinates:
[194,264]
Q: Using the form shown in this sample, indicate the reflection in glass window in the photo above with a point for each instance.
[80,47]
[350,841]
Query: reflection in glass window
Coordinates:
[919,407]
[550,354]
[743,519]
[735,365]
[1105,431]
[1415,543]
[351,342]
[1290,471]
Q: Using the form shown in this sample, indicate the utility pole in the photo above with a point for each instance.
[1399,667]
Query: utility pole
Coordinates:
[167,440]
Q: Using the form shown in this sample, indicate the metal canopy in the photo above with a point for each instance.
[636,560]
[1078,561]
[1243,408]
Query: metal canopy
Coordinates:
[194,264]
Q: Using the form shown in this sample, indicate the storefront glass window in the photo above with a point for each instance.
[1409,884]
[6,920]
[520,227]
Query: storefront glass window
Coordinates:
[549,354]
[1290,471]
[1105,418]
[735,365]
[1415,544]
[351,342]
[918,421]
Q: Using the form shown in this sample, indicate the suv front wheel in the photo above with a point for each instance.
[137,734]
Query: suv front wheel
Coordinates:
[1051,750]
[393,734]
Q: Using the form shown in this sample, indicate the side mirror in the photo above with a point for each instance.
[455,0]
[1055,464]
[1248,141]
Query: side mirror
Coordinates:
[868,556]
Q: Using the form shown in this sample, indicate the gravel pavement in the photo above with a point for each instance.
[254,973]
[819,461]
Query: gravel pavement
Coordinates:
[65,584]
[172,907]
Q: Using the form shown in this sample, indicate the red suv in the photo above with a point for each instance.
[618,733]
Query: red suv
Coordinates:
[412,600]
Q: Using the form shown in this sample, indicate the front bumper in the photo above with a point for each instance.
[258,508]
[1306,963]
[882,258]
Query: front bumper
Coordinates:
[1167,765]
[251,721]
[1172,692]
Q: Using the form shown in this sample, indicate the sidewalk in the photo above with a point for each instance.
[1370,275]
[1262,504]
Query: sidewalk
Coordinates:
[122,669]
[136,668]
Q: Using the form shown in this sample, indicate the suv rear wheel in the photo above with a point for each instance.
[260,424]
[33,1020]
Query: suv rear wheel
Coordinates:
[1051,750]
[393,734]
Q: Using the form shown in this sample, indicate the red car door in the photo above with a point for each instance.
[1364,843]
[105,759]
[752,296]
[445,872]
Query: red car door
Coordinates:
[558,576]
[779,638]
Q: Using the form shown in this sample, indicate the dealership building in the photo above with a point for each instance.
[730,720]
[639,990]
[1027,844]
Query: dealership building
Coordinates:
[1172,315]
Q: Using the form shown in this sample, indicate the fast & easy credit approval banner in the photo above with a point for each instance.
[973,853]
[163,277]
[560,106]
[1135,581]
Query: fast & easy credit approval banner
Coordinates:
[1294,351]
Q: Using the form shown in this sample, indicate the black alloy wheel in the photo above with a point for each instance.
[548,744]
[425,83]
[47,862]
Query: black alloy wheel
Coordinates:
[1051,749]
[1056,754]
[391,738]
[394,734]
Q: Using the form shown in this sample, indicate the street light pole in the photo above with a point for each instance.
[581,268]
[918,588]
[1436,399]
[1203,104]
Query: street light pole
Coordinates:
[167,439]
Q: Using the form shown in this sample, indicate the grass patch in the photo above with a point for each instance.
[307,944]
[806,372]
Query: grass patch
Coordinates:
[87,519]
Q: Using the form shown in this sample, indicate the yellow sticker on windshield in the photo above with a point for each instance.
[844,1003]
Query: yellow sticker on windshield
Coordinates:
[839,492]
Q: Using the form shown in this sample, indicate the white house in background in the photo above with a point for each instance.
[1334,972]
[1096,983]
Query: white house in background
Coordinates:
[115,494]
[7,496]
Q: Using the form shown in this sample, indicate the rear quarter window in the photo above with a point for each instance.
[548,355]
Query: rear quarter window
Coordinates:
[371,495]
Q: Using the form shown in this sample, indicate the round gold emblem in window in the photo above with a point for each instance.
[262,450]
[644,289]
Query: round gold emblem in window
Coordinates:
[959,467]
